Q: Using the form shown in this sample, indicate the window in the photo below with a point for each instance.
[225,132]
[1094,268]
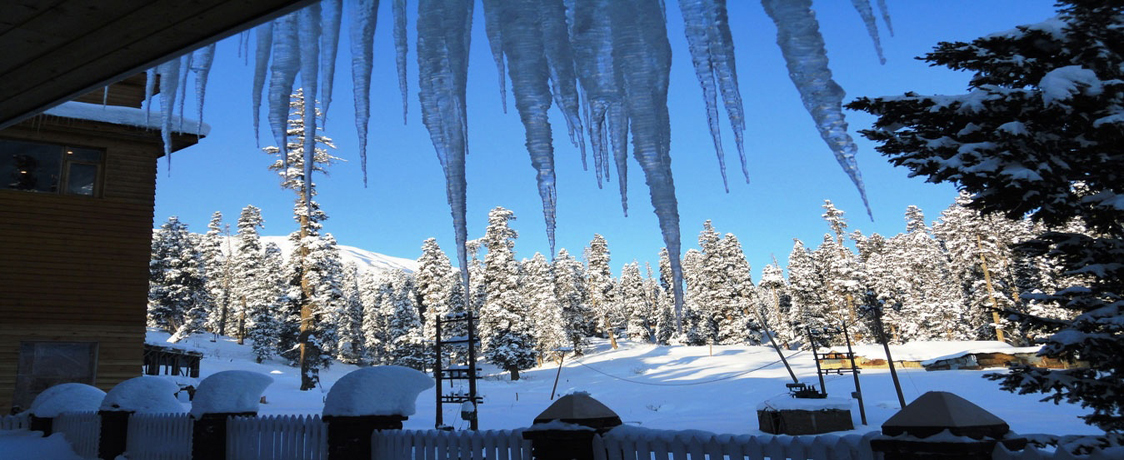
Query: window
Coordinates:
[45,364]
[48,168]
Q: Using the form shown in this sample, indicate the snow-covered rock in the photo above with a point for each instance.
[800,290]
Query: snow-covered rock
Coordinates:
[379,390]
[66,397]
[144,394]
[229,392]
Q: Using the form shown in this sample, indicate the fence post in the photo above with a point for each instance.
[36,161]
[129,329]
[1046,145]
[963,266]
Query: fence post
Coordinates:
[208,436]
[943,426]
[114,433]
[565,430]
[349,437]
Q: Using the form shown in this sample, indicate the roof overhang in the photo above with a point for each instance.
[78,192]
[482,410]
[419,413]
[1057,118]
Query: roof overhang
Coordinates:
[52,51]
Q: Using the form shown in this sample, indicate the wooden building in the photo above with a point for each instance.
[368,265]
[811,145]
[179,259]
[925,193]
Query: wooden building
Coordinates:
[77,190]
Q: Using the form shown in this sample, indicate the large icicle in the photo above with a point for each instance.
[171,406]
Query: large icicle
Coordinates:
[494,29]
[364,15]
[309,33]
[803,48]
[264,34]
[400,47]
[444,28]
[523,44]
[283,72]
[725,68]
[644,63]
[329,45]
[697,20]
[169,86]
[867,13]
[185,69]
[560,61]
[149,90]
[201,64]
[601,89]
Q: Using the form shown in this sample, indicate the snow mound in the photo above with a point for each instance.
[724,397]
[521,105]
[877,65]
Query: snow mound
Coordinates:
[66,397]
[144,395]
[229,392]
[379,390]
[31,445]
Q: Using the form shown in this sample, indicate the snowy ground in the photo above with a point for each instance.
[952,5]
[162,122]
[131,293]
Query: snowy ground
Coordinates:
[667,387]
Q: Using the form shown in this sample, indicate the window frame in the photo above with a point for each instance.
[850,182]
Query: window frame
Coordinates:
[65,163]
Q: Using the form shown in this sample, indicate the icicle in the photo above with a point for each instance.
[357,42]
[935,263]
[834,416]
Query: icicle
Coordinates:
[523,44]
[364,15]
[593,59]
[329,44]
[105,97]
[400,47]
[201,65]
[149,90]
[494,29]
[803,49]
[696,22]
[264,34]
[886,16]
[185,67]
[309,33]
[283,72]
[443,45]
[867,13]
[169,86]
[640,41]
[560,60]
[618,135]
[725,68]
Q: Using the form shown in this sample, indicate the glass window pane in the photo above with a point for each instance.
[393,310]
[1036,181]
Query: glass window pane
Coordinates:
[81,154]
[81,178]
[42,365]
[30,166]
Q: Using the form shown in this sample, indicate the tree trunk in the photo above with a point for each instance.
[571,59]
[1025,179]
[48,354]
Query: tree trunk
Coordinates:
[308,351]
[609,331]
[514,374]
[990,291]
[242,322]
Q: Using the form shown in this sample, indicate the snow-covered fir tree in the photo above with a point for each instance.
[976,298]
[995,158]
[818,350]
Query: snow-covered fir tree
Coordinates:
[505,329]
[376,341]
[698,325]
[437,286]
[406,345]
[537,285]
[634,304]
[177,297]
[216,246]
[351,348]
[1039,136]
[736,293]
[810,309]
[265,296]
[599,281]
[775,304]
[665,320]
[570,290]
[249,288]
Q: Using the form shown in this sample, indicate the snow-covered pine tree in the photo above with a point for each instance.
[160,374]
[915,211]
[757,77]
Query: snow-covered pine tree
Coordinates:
[775,304]
[404,327]
[810,309]
[633,300]
[372,288]
[251,290]
[698,328]
[436,283]
[537,286]
[216,246]
[737,324]
[570,290]
[931,304]
[266,294]
[712,296]
[599,281]
[505,329]
[350,326]
[290,165]
[840,270]
[1039,134]
[665,303]
[176,295]
[323,273]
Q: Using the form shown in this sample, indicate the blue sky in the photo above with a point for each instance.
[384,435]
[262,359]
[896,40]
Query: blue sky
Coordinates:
[791,169]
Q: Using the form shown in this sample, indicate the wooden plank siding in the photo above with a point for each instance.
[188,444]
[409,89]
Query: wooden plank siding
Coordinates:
[75,268]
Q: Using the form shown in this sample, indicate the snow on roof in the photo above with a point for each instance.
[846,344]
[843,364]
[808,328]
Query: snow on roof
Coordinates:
[229,392]
[931,351]
[378,390]
[789,403]
[144,394]
[128,116]
[66,397]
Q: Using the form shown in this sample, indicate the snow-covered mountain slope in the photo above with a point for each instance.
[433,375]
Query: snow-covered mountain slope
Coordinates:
[666,387]
[366,260]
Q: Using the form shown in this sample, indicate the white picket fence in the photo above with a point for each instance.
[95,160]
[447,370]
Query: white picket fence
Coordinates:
[464,445]
[159,436]
[640,444]
[14,422]
[81,429]
[277,437]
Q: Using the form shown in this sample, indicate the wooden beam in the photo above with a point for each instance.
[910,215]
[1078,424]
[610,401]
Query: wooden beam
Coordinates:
[56,65]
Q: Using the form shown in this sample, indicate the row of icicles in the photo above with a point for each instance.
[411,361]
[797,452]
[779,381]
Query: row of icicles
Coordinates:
[604,63]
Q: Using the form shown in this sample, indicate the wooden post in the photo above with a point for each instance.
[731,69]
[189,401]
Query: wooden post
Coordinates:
[114,434]
[350,437]
[855,373]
